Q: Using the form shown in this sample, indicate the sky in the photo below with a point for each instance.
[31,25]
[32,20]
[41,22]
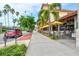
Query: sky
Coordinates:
[69,6]
[31,8]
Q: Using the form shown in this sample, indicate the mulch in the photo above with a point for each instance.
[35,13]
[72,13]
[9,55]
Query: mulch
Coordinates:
[25,37]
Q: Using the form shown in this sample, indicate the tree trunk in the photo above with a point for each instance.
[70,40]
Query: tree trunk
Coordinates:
[13,21]
[5,19]
[14,24]
[8,19]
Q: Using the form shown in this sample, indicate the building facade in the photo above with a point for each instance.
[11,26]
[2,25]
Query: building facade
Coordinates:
[70,26]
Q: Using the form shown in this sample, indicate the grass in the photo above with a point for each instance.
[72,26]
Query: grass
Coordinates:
[14,50]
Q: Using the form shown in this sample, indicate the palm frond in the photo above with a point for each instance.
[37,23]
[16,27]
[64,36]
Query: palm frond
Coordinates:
[55,6]
[56,15]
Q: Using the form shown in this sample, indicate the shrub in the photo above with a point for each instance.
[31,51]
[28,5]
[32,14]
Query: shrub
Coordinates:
[55,37]
[52,36]
[14,50]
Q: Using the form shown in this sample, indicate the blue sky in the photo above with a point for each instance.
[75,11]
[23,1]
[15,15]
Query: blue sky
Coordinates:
[69,6]
[32,8]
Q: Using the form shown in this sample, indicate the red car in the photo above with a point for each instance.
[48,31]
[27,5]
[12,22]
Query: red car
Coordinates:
[13,33]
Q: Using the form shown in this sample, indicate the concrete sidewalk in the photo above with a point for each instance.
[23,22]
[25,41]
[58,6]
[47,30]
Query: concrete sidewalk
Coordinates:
[41,45]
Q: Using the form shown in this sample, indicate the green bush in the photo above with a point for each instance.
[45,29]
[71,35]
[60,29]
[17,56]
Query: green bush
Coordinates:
[52,36]
[55,37]
[14,50]
[4,30]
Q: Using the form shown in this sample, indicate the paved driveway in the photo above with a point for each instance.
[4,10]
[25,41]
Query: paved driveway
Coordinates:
[41,45]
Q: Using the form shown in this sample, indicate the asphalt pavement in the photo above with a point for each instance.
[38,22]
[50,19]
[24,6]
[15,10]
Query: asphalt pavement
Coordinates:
[2,40]
[9,39]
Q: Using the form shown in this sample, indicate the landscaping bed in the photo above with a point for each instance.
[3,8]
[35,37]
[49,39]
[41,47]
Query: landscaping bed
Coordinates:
[14,50]
[54,37]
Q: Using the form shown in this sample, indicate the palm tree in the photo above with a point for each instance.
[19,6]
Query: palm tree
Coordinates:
[0,16]
[12,12]
[51,10]
[14,21]
[42,17]
[41,22]
[55,6]
[7,8]
[5,12]
[0,13]
[17,13]
[38,23]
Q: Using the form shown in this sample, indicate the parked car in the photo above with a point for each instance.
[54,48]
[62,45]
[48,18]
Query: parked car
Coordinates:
[13,33]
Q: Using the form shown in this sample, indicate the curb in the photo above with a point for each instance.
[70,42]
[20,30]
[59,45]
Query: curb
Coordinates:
[26,42]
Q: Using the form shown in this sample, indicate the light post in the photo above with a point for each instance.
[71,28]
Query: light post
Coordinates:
[5,40]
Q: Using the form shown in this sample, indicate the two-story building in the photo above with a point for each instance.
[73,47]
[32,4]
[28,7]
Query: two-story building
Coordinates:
[70,23]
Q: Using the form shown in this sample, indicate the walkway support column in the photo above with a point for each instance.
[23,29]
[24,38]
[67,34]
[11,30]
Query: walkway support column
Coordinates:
[58,31]
[77,28]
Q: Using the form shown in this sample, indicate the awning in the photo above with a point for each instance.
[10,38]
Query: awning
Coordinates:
[44,26]
[53,23]
[57,23]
